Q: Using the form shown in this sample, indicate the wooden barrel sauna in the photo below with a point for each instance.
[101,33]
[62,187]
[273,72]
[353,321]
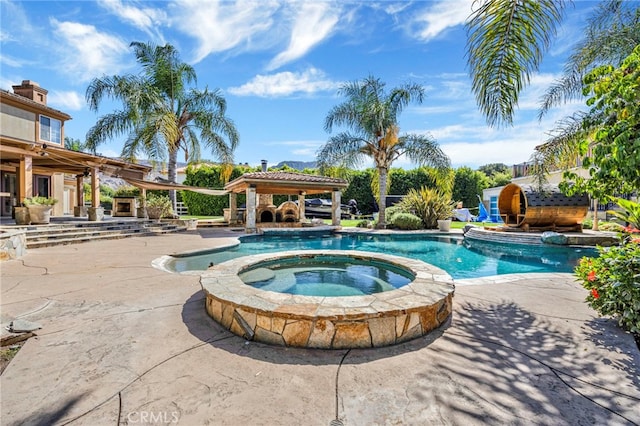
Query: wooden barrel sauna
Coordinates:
[524,206]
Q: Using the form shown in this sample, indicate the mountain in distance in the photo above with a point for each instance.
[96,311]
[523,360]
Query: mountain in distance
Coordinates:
[298,165]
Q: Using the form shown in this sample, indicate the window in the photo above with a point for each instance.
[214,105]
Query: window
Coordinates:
[50,129]
[41,186]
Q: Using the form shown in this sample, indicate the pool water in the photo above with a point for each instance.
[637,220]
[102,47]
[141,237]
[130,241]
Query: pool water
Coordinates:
[326,276]
[461,259]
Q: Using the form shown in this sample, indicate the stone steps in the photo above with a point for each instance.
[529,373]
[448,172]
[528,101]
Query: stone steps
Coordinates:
[75,233]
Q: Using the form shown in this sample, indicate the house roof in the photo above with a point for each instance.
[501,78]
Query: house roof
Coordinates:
[286,183]
[32,105]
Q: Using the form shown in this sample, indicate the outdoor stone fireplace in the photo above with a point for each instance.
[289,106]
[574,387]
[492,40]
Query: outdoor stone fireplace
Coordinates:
[124,206]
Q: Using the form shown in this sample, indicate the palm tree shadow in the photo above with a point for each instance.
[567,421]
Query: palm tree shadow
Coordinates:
[546,368]
[51,417]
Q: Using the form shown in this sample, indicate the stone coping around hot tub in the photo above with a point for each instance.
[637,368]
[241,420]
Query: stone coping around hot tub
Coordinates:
[375,320]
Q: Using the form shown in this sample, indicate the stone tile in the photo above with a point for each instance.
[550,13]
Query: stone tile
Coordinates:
[296,332]
[277,324]
[214,308]
[263,321]
[269,337]
[249,317]
[322,334]
[227,316]
[383,331]
[307,310]
[352,335]
[428,318]
[401,324]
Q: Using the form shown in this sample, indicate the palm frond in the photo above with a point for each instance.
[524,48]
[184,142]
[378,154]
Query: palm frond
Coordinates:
[342,150]
[424,151]
[506,42]
[612,32]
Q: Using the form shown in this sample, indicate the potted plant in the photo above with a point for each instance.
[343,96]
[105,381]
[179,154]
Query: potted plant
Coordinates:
[39,208]
[158,206]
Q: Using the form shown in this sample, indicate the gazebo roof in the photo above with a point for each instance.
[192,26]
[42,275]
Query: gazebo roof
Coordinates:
[285,183]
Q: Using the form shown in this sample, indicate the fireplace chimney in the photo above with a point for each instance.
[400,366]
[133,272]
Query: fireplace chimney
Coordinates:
[31,90]
[264,165]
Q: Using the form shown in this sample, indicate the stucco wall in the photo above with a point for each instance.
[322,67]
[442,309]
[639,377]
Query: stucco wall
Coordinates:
[17,123]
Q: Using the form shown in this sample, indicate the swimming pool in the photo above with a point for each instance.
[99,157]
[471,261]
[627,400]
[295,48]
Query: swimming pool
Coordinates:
[460,258]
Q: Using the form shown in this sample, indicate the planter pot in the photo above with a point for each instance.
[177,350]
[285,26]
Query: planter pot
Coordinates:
[154,212]
[39,214]
[444,225]
[21,215]
[80,211]
[96,214]
[141,212]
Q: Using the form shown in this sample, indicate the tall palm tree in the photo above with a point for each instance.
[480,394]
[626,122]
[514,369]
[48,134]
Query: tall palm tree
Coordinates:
[160,113]
[371,114]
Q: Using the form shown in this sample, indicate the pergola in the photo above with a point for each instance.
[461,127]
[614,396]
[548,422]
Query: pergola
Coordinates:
[35,157]
[283,183]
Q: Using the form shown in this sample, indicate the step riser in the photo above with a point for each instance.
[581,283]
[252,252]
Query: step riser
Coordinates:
[60,235]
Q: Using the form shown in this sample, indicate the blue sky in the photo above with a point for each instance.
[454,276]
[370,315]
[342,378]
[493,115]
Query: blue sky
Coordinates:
[279,65]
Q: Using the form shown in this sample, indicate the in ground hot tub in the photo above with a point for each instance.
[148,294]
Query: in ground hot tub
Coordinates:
[382,318]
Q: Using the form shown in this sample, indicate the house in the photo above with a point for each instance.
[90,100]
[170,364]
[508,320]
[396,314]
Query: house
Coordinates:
[34,161]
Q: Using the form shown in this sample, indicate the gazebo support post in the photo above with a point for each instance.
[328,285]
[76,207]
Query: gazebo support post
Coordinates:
[233,208]
[335,207]
[301,212]
[250,226]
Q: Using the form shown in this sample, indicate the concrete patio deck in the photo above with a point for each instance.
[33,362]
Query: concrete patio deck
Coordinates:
[124,343]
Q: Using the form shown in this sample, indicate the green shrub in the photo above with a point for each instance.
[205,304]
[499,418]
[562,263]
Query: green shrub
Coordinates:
[610,226]
[127,191]
[391,212]
[39,201]
[363,224]
[612,279]
[406,221]
[429,205]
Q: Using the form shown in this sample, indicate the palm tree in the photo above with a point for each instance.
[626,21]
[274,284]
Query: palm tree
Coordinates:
[372,116]
[611,34]
[506,43]
[160,113]
[507,40]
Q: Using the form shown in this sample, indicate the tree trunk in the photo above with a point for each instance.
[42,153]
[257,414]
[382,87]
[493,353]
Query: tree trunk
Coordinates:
[382,172]
[172,174]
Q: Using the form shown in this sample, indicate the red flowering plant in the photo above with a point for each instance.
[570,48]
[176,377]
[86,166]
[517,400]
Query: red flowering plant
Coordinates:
[613,278]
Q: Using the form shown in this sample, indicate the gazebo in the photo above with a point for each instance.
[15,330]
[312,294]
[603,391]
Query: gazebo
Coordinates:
[260,187]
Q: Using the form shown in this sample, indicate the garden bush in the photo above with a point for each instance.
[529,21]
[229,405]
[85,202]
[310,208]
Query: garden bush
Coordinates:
[406,221]
[613,281]
[429,204]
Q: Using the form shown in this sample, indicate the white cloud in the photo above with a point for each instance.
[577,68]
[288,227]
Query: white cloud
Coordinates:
[66,100]
[286,84]
[86,52]
[11,62]
[440,16]
[222,26]
[314,22]
[305,150]
[145,19]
